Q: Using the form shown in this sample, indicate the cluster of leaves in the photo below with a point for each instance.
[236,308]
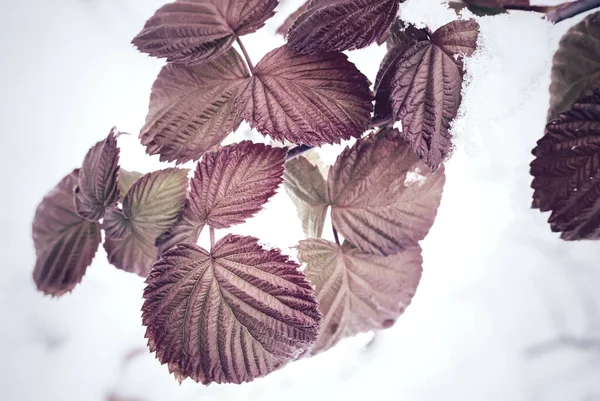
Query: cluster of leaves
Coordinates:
[133,209]
[237,310]
[566,168]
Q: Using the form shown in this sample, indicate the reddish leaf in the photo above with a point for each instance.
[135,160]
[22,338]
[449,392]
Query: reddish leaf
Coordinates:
[150,207]
[358,292]
[576,65]
[307,188]
[425,88]
[341,24]
[307,99]
[382,197]
[566,171]
[231,315]
[97,187]
[186,229]
[65,243]
[192,108]
[197,31]
[289,21]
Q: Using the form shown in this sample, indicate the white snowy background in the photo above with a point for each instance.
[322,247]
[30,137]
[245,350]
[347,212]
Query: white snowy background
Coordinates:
[503,309]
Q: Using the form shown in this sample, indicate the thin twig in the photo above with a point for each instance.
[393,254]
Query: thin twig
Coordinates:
[297,151]
[212,237]
[246,56]
[335,235]
[568,10]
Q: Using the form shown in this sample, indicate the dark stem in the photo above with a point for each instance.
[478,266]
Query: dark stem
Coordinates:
[212,237]
[246,56]
[335,235]
[297,151]
[380,122]
[568,10]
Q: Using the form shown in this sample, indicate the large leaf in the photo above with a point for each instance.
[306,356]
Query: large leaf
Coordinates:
[422,82]
[228,187]
[307,189]
[358,292]
[576,65]
[97,187]
[383,199]
[231,315]
[150,207]
[197,31]
[192,108]
[341,24]
[566,171]
[65,243]
[315,99]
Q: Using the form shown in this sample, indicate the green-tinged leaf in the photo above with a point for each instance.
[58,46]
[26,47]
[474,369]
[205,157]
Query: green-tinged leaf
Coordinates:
[127,179]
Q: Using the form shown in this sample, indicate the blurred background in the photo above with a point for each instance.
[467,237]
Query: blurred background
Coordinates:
[505,310]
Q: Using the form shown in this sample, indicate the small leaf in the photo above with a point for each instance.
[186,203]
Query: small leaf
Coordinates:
[228,316]
[197,31]
[192,108]
[382,197]
[186,229]
[341,24]
[313,100]
[358,292]
[576,65]
[97,187]
[289,21]
[150,207]
[307,189]
[127,179]
[65,243]
[234,183]
[566,171]
[425,89]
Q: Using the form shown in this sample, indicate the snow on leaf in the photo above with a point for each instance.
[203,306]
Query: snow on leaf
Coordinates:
[197,31]
[127,179]
[307,99]
[289,21]
[576,65]
[358,292]
[234,183]
[228,316]
[419,82]
[373,205]
[307,188]
[97,187]
[340,25]
[150,207]
[192,108]
[566,171]
[65,243]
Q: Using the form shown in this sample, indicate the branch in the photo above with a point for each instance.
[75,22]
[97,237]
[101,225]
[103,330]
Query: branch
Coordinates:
[246,56]
[568,10]
[212,237]
[335,235]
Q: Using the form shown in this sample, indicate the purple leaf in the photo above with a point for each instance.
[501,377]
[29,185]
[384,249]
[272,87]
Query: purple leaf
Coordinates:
[383,199]
[150,207]
[289,21]
[576,65]
[313,100]
[197,31]
[65,243]
[186,229]
[422,83]
[192,108]
[358,292]
[97,187]
[566,171]
[339,25]
[228,316]
[234,183]
[306,187]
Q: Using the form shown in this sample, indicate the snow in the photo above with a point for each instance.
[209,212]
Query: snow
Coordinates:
[498,287]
